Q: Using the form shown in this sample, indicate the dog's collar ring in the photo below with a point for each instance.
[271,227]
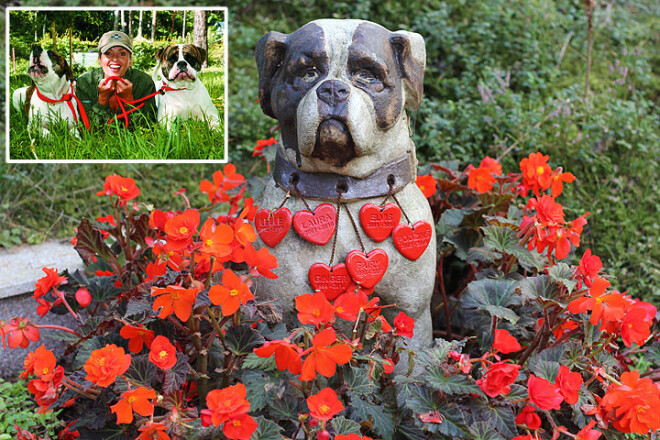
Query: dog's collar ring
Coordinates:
[388,179]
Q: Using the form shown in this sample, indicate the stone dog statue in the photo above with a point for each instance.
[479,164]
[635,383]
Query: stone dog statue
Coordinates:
[339,89]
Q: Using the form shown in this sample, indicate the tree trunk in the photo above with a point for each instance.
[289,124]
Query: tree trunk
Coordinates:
[199,33]
[153,26]
[183,28]
[172,24]
[130,24]
[139,35]
[123,23]
[115,25]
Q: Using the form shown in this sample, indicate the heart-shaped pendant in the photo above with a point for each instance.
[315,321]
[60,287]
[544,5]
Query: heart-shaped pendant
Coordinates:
[367,269]
[272,228]
[378,222]
[412,242]
[332,281]
[316,227]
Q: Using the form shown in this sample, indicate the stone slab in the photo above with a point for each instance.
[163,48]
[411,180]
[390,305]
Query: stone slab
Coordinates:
[21,266]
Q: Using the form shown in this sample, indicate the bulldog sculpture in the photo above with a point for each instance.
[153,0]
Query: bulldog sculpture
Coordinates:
[340,90]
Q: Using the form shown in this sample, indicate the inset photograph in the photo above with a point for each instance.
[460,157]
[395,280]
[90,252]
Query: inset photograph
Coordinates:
[116,84]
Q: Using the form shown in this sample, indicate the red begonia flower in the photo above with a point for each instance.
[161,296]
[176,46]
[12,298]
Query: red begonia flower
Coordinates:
[529,418]
[325,355]
[230,294]
[122,187]
[162,353]
[504,342]
[543,394]
[105,364]
[226,403]
[325,404]
[569,384]
[137,400]
[404,325]
[498,379]
[427,185]
[240,427]
[288,356]
[174,299]
[314,309]
[181,229]
[138,336]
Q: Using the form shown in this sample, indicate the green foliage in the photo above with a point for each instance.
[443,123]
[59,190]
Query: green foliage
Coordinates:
[16,408]
[453,389]
[498,81]
[493,297]
[88,26]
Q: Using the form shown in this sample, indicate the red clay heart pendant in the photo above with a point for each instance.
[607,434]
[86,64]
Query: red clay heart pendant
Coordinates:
[332,281]
[316,227]
[412,242]
[272,227]
[367,269]
[378,222]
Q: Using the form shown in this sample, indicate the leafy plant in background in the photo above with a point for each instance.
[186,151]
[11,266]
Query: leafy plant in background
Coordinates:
[506,79]
[172,342]
[610,139]
[16,408]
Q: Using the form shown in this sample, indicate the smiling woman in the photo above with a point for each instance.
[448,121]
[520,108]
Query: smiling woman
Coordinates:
[102,91]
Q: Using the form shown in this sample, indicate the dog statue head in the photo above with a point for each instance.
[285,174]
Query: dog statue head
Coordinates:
[339,89]
[180,63]
[48,67]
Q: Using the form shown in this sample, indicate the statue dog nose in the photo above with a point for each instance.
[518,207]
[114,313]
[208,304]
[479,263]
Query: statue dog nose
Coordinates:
[333,92]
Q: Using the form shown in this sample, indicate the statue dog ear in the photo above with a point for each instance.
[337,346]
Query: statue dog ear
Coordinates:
[411,56]
[270,52]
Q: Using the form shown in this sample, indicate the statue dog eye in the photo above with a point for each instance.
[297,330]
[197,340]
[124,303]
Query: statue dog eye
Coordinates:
[363,76]
[310,75]
[50,53]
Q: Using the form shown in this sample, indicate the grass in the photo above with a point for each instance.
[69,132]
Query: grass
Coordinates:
[187,140]
[45,201]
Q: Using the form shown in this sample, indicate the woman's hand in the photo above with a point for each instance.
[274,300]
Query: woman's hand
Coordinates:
[106,90]
[125,89]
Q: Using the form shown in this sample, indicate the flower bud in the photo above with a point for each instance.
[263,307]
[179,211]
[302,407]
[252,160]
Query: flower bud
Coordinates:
[83,297]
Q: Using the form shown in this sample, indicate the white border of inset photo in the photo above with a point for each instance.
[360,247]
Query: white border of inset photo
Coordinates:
[224,116]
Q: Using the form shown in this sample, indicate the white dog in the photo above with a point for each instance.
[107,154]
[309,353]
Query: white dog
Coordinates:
[339,89]
[177,68]
[43,101]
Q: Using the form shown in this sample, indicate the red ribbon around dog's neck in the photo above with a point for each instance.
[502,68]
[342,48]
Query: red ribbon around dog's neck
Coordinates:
[67,97]
[121,101]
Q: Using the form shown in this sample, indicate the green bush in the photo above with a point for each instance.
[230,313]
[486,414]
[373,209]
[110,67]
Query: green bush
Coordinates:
[18,408]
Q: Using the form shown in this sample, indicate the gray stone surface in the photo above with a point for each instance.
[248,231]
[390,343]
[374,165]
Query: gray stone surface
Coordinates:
[21,267]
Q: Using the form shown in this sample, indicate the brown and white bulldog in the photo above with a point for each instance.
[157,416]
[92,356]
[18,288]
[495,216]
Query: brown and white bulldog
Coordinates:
[178,67]
[339,89]
[51,77]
